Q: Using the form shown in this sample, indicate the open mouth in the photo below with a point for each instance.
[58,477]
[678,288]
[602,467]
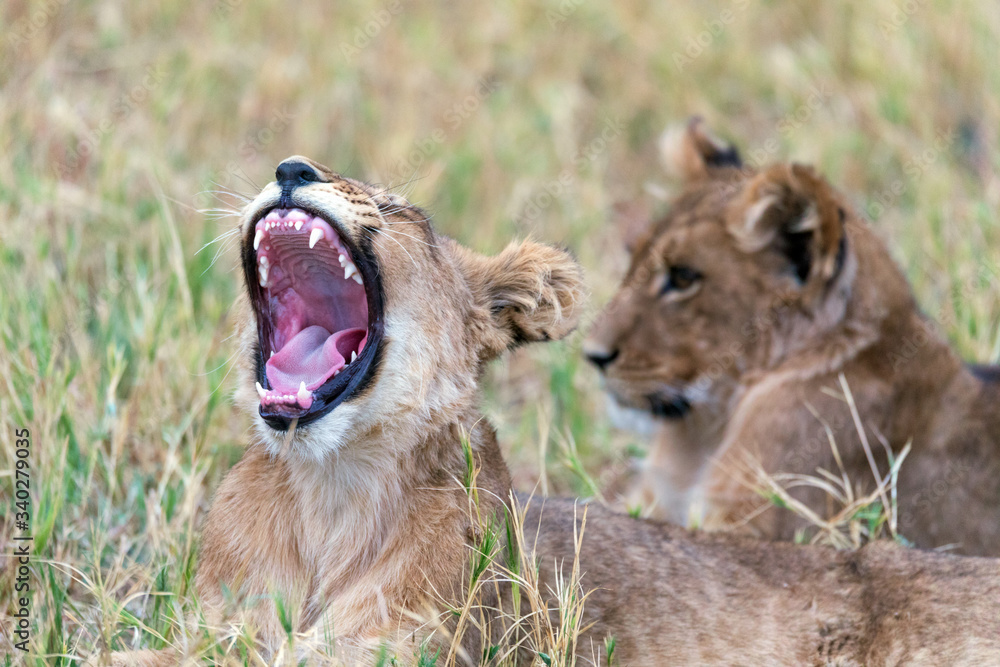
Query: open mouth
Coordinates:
[669,407]
[319,321]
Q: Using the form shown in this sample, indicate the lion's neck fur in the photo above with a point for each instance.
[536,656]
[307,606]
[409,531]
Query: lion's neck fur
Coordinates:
[368,509]
[369,479]
[355,538]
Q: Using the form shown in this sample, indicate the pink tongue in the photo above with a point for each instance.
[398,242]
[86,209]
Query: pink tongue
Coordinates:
[311,357]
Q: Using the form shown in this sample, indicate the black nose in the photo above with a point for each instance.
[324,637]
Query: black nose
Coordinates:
[292,174]
[601,358]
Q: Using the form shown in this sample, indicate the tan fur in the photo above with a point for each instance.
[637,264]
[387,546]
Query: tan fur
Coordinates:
[757,350]
[362,522]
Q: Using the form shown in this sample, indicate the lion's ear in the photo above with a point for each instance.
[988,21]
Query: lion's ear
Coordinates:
[690,152]
[533,292]
[793,210]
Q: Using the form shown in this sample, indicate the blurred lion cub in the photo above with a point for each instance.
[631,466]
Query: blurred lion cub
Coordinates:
[743,307]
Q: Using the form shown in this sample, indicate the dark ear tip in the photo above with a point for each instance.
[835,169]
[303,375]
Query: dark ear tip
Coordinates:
[714,151]
[727,158]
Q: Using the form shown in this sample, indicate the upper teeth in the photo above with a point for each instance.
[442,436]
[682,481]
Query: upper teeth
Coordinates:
[350,268]
[303,394]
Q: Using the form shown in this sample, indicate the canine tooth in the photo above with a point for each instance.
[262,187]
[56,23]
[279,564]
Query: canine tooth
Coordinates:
[314,236]
[303,394]
[261,391]
[272,354]
[298,225]
[354,355]
[257,237]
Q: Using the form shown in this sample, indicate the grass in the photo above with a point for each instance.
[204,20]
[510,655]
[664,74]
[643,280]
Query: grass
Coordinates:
[853,517]
[503,120]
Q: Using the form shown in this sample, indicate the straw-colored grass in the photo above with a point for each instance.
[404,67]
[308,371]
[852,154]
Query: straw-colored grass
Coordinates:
[121,120]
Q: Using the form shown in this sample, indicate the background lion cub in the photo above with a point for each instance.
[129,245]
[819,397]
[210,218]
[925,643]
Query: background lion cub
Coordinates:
[743,308]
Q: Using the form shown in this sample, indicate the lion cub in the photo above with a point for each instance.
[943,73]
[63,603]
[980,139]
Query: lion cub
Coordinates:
[362,499]
[742,309]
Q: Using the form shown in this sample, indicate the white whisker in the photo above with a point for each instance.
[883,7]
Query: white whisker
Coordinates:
[228,193]
[219,212]
[387,235]
[408,222]
[246,179]
[396,231]
[224,236]
[220,251]
[224,191]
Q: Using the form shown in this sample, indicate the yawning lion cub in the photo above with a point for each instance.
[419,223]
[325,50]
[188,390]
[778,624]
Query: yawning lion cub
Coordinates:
[371,482]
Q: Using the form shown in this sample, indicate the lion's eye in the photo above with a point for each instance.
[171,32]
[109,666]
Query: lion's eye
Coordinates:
[679,278]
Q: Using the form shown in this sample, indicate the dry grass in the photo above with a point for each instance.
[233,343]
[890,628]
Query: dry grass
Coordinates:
[503,120]
[855,516]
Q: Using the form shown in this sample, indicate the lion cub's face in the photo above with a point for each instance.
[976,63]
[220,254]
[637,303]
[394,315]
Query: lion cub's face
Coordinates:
[742,268]
[362,318]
